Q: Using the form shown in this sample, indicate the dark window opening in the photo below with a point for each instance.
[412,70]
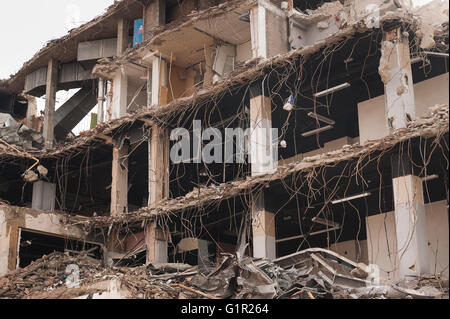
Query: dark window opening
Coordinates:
[34,246]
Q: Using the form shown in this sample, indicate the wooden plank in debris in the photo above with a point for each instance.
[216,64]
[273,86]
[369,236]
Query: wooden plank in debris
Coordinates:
[194,291]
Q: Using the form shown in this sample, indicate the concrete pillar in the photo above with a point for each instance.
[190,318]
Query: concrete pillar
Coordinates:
[31,111]
[205,255]
[209,74]
[159,165]
[119,189]
[158,175]
[44,196]
[50,99]
[5,232]
[154,15]
[263,226]
[101,101]
[123,37]
[120,94]
[109,100]
[410,219]
[395,71]
[258,31]
[263,158]
[149,87]
[158,190]
[263,149]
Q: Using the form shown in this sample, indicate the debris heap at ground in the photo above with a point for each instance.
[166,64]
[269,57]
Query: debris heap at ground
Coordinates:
[310,274]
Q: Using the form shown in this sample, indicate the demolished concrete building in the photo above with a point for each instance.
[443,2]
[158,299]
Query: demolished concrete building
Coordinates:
[358,168]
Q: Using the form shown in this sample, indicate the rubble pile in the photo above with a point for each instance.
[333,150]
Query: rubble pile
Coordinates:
[310,274]
[18,134]
[47,278]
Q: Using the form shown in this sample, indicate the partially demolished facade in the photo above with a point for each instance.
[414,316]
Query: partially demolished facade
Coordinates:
[350,191]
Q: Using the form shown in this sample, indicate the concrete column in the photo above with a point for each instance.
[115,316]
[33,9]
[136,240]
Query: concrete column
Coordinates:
[158,190]
[5,232]
[157,246]
[158,175]
[263,150]
[395,71]
[109,100]
[44,196]
[31,111]
[123,37]
[410,219]
[120,94]
[9,240]
[263,160]
[258,31]
[159,165]
[119,189]
[149,88]
[205,256]
[50,99]
[154,15]
[101,101]
[263,226]
[159,82]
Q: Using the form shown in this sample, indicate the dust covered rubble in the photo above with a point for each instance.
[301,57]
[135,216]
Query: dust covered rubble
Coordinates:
[310,274]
